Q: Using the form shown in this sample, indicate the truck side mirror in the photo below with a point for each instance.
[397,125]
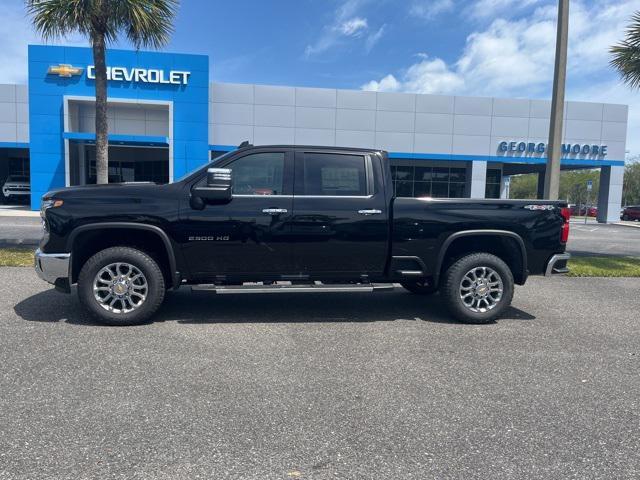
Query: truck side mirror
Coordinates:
[218,187]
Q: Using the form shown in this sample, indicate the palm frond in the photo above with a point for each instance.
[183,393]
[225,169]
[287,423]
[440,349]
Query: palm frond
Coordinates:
[147,23]
[626,54]
[58,18]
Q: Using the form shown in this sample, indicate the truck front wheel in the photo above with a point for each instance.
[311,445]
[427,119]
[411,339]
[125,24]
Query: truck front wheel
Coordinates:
[478,287]
[121,286]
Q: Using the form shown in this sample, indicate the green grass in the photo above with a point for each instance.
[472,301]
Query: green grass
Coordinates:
[16,257]
[604,267]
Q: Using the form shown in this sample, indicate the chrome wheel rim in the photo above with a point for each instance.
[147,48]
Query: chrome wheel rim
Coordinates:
[481,289]
[120,288]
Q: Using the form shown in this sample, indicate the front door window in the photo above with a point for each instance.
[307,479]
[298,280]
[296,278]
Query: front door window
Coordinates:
[258,174]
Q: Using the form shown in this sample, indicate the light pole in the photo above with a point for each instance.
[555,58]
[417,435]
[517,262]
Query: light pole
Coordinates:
[554,150]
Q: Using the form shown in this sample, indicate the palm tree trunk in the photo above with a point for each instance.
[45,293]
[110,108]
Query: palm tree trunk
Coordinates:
[102,145]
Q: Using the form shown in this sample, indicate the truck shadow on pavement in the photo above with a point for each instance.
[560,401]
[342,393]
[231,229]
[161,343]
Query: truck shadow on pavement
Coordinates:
[184,306]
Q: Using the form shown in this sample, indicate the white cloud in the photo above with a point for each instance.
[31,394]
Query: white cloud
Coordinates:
[16,34]
[346,25]
[386,84]
[514,58]
[429,9]
[427,76]
[374,38]
[353,27]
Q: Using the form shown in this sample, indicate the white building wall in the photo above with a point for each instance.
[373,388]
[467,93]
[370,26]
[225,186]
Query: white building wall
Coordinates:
[610,194]
[400,122]
[126,119]
[14,114]
[478,179]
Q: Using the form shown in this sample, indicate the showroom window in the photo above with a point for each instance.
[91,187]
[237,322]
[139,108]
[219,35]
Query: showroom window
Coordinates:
[216,153]
[421,181]
[494,177]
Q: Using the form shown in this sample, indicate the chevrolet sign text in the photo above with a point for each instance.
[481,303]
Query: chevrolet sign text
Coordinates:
[142,75]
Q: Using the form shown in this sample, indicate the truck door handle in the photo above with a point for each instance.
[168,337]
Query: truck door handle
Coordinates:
[274,211]
[370,212]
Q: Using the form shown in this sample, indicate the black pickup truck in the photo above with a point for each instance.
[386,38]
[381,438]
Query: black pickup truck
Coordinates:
[292,219]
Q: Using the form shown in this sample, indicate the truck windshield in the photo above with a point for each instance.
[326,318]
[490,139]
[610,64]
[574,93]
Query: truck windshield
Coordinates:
[212,162]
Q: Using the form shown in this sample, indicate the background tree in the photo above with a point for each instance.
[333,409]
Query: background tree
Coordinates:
[573,186]
[631,185]
[524,186]
[145,23]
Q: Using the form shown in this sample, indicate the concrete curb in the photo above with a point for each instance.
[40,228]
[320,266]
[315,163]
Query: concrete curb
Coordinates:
[627,224]
[19,243]
[18,213]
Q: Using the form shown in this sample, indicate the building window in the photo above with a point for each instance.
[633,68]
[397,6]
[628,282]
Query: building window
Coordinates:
[19,166]
[437,182]
[494,177]
[216,153]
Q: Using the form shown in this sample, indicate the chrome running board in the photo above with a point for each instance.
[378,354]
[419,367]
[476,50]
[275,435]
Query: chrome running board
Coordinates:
[277,288]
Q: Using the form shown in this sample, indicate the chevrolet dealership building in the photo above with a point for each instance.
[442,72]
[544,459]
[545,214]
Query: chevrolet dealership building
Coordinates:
[166,118]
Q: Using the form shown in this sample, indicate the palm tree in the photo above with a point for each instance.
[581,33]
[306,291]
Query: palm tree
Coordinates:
[626,55]
[146,23]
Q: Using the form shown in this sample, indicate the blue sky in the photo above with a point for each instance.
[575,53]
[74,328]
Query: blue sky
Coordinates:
[500,48]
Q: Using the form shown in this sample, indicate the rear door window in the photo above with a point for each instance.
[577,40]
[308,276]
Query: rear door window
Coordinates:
[332,174]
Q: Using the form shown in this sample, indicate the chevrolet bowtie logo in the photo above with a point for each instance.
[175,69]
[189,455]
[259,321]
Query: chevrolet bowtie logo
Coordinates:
[64,70]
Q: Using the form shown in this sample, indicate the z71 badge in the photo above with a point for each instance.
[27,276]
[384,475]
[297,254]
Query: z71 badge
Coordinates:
[217,238]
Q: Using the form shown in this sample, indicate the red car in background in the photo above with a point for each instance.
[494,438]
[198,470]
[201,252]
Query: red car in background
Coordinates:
[582,210]
[631,212]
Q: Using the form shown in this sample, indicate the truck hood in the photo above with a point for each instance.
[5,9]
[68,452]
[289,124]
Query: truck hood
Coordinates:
[108,189]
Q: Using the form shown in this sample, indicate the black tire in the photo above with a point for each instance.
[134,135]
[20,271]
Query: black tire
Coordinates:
[625,218]
[419,287]
[144,263]
[451,287]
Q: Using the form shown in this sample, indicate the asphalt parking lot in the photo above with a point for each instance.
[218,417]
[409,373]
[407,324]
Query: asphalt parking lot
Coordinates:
[18,230]
[603,239]
[322,386]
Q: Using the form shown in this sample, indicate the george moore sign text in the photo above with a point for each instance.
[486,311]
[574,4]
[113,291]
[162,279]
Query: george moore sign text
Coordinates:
[567,148]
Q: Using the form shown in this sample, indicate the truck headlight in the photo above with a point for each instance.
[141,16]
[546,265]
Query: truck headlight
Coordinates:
[46,205]
[50,203]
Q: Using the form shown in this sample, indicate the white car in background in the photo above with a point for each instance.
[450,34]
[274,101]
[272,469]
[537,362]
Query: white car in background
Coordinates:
[16,187]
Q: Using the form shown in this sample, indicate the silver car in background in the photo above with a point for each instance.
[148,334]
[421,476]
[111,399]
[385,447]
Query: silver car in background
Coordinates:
[16,187]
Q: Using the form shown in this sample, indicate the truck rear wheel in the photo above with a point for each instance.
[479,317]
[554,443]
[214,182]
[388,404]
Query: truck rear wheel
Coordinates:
[477,288]
[121,286]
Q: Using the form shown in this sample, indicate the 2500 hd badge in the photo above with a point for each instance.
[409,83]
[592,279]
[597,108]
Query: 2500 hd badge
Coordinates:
[217,238]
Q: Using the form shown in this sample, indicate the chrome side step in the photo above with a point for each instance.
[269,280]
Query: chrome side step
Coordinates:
[277,288]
